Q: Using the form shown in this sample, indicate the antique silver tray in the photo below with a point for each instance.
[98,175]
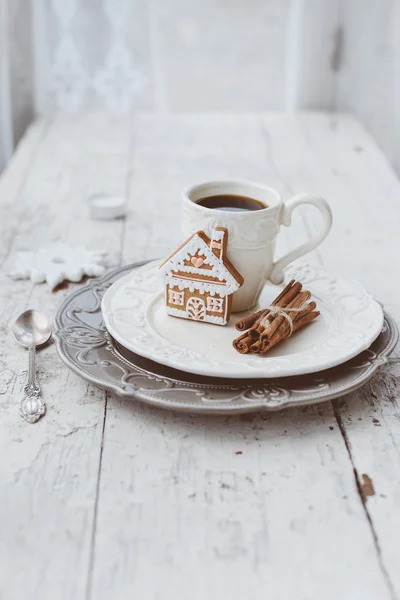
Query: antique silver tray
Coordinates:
[86,347]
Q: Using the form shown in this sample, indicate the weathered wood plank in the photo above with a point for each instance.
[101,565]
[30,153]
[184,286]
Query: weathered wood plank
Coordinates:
[178,509]
[339,159]
[49,471]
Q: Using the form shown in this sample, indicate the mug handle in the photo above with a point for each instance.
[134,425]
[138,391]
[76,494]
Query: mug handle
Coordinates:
[276,275]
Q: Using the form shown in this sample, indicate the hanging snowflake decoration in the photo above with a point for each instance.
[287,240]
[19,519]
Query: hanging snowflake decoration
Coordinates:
[58,263]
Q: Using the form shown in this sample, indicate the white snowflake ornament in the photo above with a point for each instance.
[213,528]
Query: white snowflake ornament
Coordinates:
[57,263]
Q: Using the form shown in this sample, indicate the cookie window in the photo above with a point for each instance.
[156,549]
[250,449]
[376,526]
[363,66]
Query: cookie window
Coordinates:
[176,297]
[215,304]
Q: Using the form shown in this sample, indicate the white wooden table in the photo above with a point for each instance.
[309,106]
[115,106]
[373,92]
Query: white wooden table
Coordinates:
[107,498]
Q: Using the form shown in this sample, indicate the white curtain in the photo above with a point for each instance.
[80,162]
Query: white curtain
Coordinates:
[16,73]
[156,55]
[199,55]
[6,143]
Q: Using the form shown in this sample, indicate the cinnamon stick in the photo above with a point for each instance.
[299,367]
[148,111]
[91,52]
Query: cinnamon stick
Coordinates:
[242,343]
[265,328]
[250,339]
[283,302]
[249,321]
[283,329]
[297,302]
[279,335]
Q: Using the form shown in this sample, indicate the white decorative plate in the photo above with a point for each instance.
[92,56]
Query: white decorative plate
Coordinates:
[134,314]
[87,348]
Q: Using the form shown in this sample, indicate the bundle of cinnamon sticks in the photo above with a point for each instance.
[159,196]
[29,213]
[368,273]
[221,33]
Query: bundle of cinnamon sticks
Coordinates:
[267,327]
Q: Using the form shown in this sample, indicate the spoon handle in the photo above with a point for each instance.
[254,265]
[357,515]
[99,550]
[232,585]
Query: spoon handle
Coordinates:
[32,386]
[32,406]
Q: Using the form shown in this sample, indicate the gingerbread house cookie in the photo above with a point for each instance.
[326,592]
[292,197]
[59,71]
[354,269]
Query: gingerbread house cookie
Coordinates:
[200,280]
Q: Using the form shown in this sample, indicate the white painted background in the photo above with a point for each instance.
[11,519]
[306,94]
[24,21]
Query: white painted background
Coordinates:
[199,56]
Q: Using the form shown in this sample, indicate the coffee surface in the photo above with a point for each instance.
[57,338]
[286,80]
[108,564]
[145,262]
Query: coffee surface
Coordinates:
[232,202]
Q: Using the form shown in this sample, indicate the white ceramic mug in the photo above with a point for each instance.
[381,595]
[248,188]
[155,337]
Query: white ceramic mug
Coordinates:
[252,234]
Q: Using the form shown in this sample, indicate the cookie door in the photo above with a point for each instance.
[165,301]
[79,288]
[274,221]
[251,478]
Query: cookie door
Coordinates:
[196,309]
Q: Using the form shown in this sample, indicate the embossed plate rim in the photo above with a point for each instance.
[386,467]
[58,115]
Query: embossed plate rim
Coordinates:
[264,396]
[354,319]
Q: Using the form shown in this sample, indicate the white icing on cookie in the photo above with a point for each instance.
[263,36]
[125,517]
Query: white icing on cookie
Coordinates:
[198,246]
[175,312]
[202,286]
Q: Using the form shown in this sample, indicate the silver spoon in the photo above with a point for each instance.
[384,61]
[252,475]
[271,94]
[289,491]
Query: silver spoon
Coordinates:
[32,329]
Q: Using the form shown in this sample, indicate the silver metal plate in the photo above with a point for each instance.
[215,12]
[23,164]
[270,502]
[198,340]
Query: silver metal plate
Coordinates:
[86,347]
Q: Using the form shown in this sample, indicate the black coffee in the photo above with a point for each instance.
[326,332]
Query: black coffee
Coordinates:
[232,202]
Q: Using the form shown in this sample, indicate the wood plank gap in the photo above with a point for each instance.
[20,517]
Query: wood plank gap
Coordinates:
[363,500]
[96,506]
[97,498]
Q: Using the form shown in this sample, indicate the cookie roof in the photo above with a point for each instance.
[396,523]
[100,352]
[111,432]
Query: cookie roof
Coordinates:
[199,244]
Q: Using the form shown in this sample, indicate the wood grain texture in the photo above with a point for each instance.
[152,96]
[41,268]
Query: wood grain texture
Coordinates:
[109,498]
[364,193]
[49,472]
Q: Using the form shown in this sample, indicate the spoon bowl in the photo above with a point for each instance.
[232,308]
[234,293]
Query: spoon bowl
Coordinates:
[32,328]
